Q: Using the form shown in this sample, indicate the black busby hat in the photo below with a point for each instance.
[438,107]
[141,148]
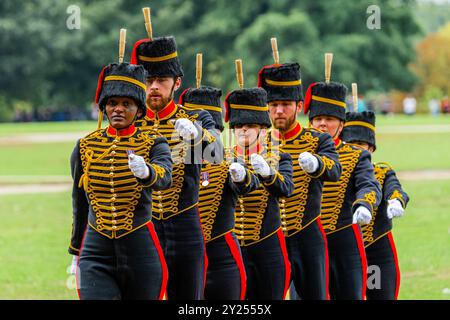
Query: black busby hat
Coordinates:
[360,126]
[159,57]
[247,106]
[122,80]
[282,82]
[205,98]
[326,99]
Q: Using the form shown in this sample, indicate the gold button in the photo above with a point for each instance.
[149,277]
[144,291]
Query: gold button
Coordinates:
[241,200]
[284,229]
[283,210]
[242,231]
[114,227]
[114,215]
[283,223]
[112,191]
[242,207]
[158,192]
[114,221]
[115,141]
[111,168]
[113,152]
[283,216]
[242,219]
[111,183]
[113,208]
[114,195]
[113,199]
[111,174]
[159,197]
[160,210]
[242,212]
[111,160]
[283,201]
[160,205]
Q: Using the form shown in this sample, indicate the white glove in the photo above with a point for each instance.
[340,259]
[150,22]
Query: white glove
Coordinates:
[237,172]
[73,266]
[138,166]
[186,129]
[308,162]
[362,215]
[394,209]
[260,165]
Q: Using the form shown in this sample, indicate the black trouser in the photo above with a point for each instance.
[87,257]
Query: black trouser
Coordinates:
[348,264]
[225,278]
[308,255]
[267,267]
[184,249]
[383,255]
[131,267]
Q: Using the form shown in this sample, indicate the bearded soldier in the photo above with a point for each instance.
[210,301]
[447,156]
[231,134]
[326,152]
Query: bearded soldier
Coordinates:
[315,161]
[379,244]
[188,132]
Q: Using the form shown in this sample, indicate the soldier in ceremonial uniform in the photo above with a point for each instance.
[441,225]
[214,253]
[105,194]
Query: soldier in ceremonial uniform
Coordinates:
[188,132]
[315,161]
[258,222]
[221,183]
[378,241]
[115,171]
[347,202]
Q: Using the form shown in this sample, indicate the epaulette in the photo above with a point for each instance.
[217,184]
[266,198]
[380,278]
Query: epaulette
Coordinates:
[383,165]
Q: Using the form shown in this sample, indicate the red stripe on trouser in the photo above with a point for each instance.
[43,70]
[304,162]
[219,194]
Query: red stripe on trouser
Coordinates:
[239,262]
[78,262]
[327,265]
[205,256]
[287,264]
[165,272]
[397,268]
[362,254]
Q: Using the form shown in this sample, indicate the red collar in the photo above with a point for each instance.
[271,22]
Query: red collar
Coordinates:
[123,132]
[289,134]
[166,112]
[337,142]
[248,151]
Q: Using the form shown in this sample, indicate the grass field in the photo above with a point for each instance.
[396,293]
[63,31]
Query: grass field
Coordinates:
[36,227]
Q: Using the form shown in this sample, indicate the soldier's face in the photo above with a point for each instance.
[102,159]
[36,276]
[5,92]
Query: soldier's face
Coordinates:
[160,91]
[121,112]
[328,124]
[247,134]
[363,145]
[284,114]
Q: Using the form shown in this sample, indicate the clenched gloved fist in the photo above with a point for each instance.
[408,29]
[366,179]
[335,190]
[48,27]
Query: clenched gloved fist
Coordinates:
[394,209]
[362,215]
[237,172]
[260,165]
[186,129]
[308,162]
[138,166]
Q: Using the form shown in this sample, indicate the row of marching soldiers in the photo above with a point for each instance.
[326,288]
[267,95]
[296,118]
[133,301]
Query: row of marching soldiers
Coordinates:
[163,208]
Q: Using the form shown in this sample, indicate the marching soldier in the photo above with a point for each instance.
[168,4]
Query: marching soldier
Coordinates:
[221,184]
[258,223]
[114,171]
[378,241]
[315,161]
[347,202]
[175,211]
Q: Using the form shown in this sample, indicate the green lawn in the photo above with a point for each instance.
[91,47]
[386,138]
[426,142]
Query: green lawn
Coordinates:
[422,238]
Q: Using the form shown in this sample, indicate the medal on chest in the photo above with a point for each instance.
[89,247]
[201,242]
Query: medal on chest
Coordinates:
[205,178]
